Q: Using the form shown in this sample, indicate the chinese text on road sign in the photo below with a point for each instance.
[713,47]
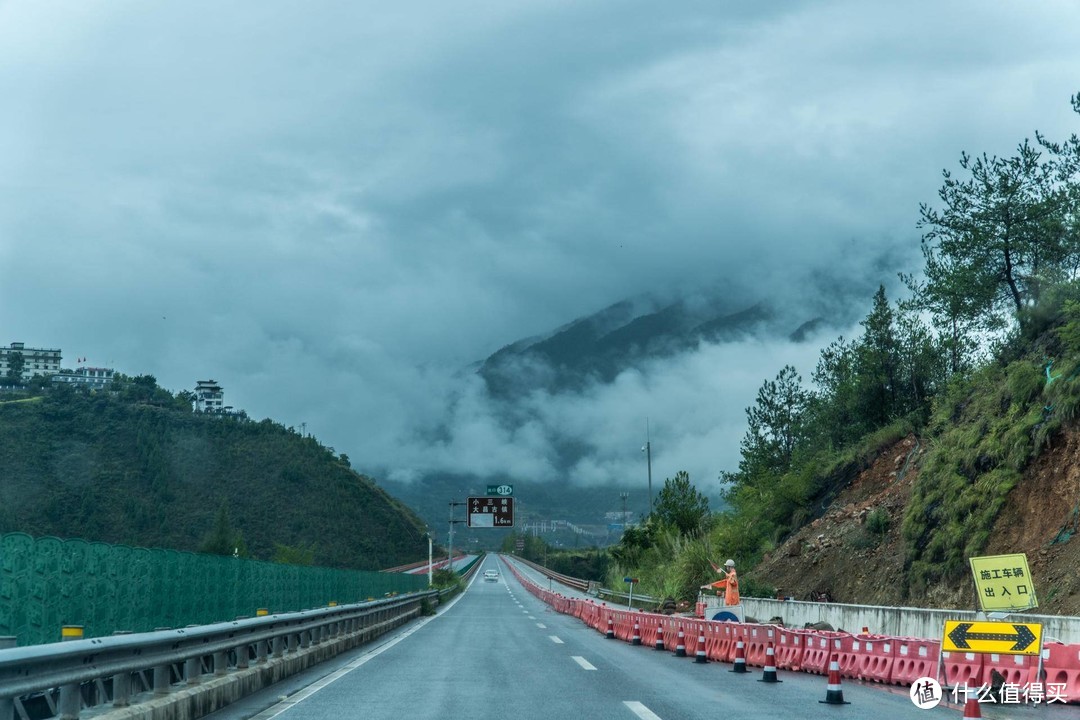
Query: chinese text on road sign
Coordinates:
[491,512]
[1003,583]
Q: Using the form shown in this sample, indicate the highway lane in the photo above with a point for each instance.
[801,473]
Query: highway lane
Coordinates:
[497,651]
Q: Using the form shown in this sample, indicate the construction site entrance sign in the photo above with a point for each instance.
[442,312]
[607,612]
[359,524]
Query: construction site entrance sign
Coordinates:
[1003,583]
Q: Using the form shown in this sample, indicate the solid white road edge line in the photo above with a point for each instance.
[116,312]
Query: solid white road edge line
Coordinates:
[640,710]
[585,664]
[274,710]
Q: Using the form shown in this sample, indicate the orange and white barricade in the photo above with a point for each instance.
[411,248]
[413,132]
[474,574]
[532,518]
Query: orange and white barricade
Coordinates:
[877,659]
[789,648]
[915,658]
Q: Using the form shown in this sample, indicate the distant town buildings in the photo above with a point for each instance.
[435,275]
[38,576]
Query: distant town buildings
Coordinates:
[19,364]
[209,397]
[29,361]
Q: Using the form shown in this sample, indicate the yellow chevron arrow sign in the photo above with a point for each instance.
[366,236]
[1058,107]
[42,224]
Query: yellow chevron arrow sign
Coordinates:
[1005,638]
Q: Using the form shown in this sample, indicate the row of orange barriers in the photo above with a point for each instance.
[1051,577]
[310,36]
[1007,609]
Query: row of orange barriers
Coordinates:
[873,658]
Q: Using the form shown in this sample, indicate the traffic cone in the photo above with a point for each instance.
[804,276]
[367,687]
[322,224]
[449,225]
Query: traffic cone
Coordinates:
[699,655]
[636,639]
[833,694]
[680,644]
[972,709]
[740,657]
[659,644]
[769,674]
[610,629]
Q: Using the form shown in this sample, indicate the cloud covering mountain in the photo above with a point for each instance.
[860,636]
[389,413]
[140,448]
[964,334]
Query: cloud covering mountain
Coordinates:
[333,207]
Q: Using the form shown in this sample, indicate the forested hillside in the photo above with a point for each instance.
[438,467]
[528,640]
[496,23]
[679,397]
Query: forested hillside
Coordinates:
[955,393]
[136,466]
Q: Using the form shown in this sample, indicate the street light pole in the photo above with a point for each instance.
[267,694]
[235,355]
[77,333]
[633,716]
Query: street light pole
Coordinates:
[648,459]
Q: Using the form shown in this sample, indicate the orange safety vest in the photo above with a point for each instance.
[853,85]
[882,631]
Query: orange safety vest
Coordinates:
[730,586]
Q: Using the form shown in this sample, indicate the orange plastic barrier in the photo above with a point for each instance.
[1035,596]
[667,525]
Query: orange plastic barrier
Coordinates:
[849,651]
[818,650]
[669,632]
[789,648]
[647,628]
[1061,668]
[877,658]
[964,668]
[915,658]
[692,628]
[724,636]
[1017,670]
[757,638]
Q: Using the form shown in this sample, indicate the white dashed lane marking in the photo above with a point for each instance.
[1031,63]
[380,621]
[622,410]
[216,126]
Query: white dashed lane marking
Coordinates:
[585,664]
[555,639]
[640,710]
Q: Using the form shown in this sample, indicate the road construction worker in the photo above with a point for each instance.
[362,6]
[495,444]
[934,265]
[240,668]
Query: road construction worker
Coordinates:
[730,583]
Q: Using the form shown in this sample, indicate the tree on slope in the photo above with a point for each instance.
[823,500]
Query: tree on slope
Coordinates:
[1003,234]
[681,506]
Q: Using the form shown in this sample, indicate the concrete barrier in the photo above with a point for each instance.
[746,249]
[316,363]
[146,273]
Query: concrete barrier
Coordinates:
[894,621]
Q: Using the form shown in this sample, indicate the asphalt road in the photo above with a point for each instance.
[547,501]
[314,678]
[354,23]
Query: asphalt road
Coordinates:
[498,652]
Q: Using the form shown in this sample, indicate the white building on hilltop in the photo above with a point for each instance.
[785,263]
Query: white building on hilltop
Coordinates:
[209,397]
[35,361]
[90,378]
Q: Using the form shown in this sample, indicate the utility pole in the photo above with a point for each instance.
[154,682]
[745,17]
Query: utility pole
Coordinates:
[450,548]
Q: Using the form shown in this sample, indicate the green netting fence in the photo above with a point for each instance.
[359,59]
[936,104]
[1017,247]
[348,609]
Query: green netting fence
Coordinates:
[46,583]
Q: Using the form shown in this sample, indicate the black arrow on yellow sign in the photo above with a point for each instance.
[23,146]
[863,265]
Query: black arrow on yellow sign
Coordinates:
[1022,639]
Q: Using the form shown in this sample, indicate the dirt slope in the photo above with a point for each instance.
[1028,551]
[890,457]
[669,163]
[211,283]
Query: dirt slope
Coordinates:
[839,554]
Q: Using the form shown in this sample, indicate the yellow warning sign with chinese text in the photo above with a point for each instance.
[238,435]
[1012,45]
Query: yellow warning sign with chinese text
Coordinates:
[1003,583]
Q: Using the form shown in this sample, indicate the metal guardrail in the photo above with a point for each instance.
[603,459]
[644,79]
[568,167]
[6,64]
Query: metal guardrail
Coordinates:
[576,583]
[585,586]
[96,671]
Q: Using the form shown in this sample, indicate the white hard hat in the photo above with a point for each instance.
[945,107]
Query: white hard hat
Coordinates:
[730,563]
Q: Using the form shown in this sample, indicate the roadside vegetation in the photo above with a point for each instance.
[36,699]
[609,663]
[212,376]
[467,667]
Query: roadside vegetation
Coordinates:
[980,359]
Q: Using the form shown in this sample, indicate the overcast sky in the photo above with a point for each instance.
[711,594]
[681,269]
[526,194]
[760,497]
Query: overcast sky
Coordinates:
[333,207]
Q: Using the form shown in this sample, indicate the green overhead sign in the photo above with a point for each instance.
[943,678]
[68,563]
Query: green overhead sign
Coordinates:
[501,490]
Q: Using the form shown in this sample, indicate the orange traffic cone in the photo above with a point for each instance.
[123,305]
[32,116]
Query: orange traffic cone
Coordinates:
[610,629]
[740,657]
[680,644]
[833,694]
[636,639]
[659,644]
[769,674]
[972,709]
[699,655]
